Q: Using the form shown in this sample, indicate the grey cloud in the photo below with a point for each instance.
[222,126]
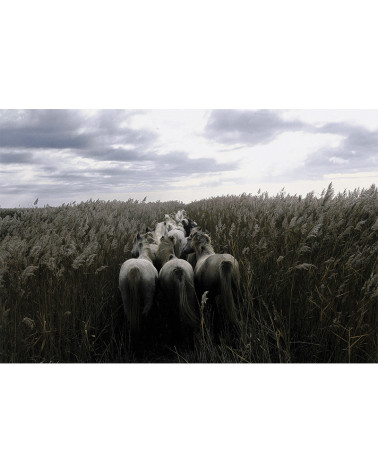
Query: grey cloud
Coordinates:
[36,138]
[109,120]
[55,129]
[40,119]
[116,154]
[72,129]
[15,157]
[174,163]
[151,172]
[152,167]
[248,127]
[50,140]
[180,164]
[358,151]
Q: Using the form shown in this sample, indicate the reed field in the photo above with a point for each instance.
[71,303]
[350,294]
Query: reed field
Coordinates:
[308,291]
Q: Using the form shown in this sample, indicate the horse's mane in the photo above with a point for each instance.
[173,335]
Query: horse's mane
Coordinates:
[145,250]
[165,249]
[149,237]
[201,241]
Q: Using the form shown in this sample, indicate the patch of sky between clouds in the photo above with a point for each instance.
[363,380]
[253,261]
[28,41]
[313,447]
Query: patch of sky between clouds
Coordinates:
[285,154]
[176,130]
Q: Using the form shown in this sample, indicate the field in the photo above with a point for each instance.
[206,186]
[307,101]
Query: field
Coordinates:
[309,285]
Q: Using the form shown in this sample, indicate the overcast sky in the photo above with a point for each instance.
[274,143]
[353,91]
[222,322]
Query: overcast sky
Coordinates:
[72,155]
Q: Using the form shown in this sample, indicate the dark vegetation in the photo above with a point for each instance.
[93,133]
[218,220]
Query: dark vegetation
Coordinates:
[309,281]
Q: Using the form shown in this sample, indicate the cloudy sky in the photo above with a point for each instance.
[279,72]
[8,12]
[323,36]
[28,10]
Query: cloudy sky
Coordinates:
[69,155]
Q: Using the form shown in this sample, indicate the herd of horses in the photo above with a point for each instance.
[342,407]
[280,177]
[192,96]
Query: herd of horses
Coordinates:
[176,261]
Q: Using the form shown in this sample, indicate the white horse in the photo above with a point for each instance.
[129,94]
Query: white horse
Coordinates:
[180,215]
[176,281]
[137,283]
[216,273]
[160,230]
[150,238]
[181,240]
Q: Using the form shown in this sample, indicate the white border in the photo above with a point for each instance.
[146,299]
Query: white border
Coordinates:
[171,54]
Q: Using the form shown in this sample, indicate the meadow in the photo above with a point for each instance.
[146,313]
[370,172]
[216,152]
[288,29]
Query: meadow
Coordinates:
[308,293]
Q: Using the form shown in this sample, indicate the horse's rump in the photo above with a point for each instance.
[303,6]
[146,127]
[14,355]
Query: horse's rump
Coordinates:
[178,284]
[137,283]
[219,274]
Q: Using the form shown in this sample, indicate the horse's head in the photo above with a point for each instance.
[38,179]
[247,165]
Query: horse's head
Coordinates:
[192,223]
[135,249]
[149,236]
[200,239]
[195,230]
[180,215]
[169,240]
[188,225]
[185,224]
[188,248]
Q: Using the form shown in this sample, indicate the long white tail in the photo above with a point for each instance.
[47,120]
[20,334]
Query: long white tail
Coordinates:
[187,299]
[226,293]
[133,301]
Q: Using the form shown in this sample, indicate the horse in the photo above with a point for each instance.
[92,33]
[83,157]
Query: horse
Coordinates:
[137,284]
[216,273]
[182,219]
[170,222]
[176,282]
[180,242]
[188,225]
[160,230]
[191,257]
[180,215]
[150,238]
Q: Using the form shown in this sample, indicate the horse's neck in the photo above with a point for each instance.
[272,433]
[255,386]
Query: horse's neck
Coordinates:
[146,254]
[204,251]
[167,257]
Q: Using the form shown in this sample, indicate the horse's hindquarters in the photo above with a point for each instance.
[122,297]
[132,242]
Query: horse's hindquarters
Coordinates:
[137,283]
[219,275]
[176,280]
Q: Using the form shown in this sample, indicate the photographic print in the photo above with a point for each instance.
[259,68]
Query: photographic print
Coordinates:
[199,236]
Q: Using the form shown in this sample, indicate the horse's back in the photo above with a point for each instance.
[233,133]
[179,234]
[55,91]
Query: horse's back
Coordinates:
[148,272]
[178,232]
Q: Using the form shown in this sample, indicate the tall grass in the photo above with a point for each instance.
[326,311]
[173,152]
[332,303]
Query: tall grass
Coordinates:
[308,293]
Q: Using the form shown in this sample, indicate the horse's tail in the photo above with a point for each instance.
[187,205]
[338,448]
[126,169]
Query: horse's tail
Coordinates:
[133,300]
[187,307]
[227,276]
